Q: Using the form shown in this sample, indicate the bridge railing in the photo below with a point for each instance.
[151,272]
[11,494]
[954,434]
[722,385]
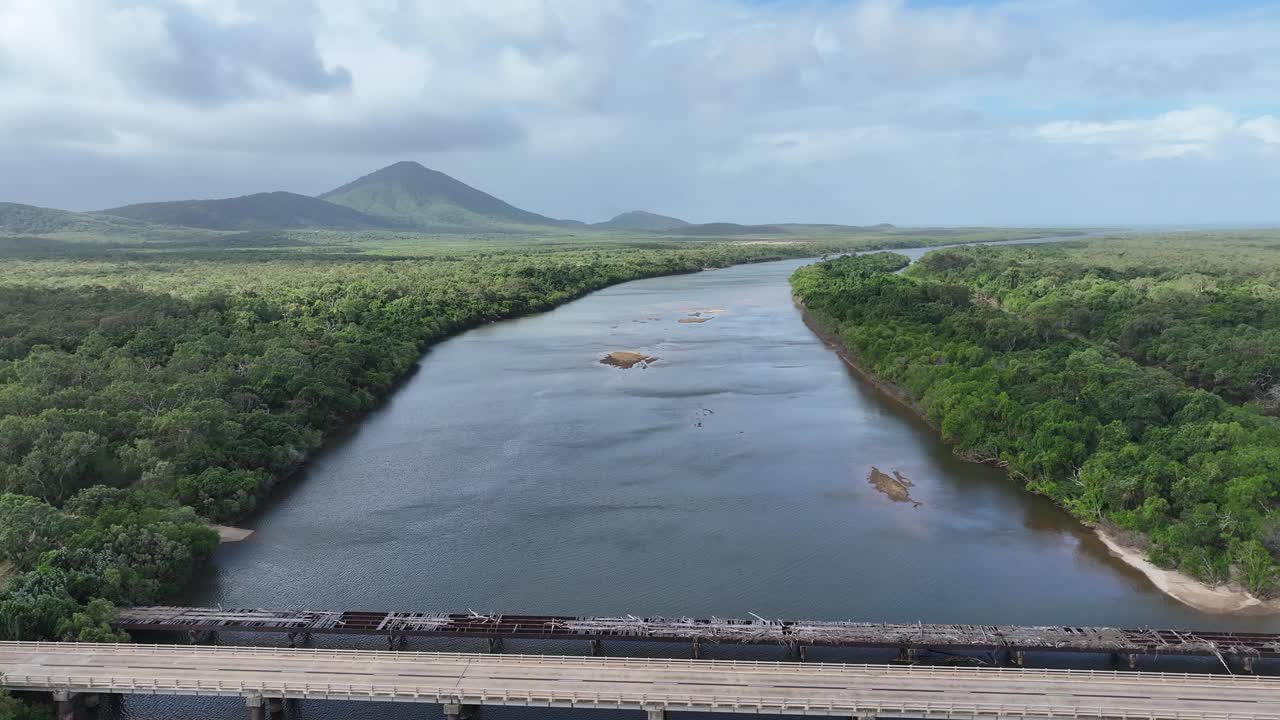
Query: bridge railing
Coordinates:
[810,668]
[620,701]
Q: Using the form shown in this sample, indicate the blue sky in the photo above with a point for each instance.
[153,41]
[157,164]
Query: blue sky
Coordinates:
[855,111]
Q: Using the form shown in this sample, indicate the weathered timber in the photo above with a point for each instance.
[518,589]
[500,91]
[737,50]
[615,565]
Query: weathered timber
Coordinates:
[1004,640]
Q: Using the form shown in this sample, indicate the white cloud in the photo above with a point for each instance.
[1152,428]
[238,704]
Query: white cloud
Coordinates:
[1265,128]
[1179,133]
[511,93]
[797,149]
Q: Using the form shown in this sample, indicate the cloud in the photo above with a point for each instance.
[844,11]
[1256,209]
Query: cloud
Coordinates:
[803,148]
[1265,128]
[718,109]
[1154,77]
[928,43]
[164,50]
[205,61]
[1179,133]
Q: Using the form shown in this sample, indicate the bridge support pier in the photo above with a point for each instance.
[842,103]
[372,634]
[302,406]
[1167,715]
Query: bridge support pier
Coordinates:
[656,713]
[597,647]
[66,704]
[395,642]
[257,707]
[907,655]
[697,649]
[458,711]
[1247,661]
[497,645]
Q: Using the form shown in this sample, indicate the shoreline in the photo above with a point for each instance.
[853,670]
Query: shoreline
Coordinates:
[229,534]
[1230,599]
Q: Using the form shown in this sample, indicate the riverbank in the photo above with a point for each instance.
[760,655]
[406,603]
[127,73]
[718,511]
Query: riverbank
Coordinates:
[228,534]
[821,328]
[1230,599]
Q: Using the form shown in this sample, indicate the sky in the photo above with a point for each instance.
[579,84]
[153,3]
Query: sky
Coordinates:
[844,111]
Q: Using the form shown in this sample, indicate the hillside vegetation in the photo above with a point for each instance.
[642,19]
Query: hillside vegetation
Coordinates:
[260,211]
[17,219]
[409,194]
[1127,379]
[640,220]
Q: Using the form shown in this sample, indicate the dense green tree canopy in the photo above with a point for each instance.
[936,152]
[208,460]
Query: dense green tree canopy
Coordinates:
[1125,379]
[151,384]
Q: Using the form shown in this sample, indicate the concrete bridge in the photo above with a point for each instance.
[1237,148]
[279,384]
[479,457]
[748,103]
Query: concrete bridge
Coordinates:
[460,682]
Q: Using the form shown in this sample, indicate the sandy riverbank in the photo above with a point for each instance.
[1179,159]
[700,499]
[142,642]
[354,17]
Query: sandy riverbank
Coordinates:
[1221,599]
[1230,599]
[228,534]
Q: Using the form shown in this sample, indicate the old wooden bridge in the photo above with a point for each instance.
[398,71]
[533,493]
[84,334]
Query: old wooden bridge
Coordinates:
[1007,642]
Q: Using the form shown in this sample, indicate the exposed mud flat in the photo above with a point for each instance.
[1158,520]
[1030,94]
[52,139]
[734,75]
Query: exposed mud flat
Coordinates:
[627,359]
[895,486]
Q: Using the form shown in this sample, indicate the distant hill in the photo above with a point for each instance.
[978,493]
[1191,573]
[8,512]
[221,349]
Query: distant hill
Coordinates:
[640,220]
[18,219]
[411,194]
[719,229]
[260,211]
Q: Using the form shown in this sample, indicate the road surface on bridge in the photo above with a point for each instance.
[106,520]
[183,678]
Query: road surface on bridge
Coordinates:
[631,683]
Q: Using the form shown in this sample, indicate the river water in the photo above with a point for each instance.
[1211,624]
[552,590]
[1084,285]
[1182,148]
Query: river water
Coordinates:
[515,473]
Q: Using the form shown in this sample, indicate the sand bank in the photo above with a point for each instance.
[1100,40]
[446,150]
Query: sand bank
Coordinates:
[228,534]
[627,359]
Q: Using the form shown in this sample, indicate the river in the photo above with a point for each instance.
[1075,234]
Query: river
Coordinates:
[513,472]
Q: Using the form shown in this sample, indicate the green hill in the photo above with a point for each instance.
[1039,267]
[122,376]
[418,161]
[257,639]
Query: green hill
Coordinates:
[641,220]
[727,229]
[260,211]
[18,219]
[410,194]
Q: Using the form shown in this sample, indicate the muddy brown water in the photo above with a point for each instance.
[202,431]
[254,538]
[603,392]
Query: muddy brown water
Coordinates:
[514,472]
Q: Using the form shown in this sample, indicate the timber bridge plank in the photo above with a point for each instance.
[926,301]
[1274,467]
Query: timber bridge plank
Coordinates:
[731,631]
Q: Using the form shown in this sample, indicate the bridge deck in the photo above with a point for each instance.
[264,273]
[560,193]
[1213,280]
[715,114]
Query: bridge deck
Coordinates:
[711,630]
[683,685]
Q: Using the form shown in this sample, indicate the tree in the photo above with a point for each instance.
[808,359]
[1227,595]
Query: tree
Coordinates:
[92,624]
[13,709]
[28,527]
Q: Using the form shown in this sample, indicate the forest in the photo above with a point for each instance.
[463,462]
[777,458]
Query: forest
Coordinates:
[150,388]
[1133,380]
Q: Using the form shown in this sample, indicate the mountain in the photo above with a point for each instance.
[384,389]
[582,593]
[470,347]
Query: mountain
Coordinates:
[726,229]
[410,194]
[640,220]
[260,211]
[17,219]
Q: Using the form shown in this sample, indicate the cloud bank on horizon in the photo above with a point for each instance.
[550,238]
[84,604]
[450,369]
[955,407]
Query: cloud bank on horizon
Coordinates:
[857,111]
